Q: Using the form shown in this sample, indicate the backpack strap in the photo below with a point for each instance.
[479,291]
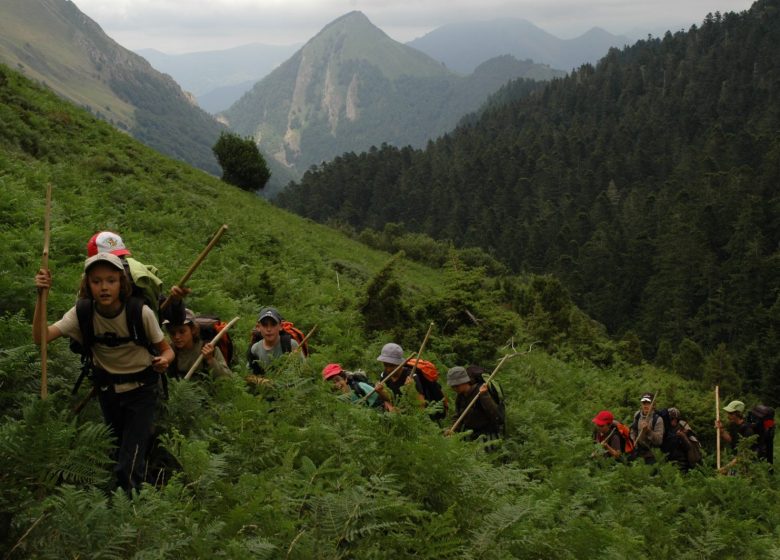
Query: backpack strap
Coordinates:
[286,340]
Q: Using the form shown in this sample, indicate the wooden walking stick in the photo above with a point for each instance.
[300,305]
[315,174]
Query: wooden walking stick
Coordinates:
[422,347]
[214,341]
[390,377]
[476,397]
[196,264]
[43,296]
[717,422]
[305,340]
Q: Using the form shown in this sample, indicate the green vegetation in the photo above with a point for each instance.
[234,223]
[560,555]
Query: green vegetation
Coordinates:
[292,472]
[242,163]
[647,184]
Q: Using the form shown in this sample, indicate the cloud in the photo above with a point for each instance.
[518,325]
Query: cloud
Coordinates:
[190,25]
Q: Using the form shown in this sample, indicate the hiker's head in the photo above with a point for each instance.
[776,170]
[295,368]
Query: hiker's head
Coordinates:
[646,403]
[106,242]
[269,324]
[603,420]
[186,334]
[458,378]
[674,416]
[105,280]
[735,410]
[334,373]
[392,356]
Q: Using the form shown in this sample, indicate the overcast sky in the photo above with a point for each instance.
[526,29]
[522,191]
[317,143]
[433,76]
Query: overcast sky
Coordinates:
[177,26]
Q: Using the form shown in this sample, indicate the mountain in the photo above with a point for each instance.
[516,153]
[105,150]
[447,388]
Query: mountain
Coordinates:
[352,86]
[463,46]
[646,183]
[291,469]
[54,43]
[218,78]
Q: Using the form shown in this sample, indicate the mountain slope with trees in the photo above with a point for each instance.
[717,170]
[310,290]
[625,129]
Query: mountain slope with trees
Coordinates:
[352,86]
[54,43]
[646,183]
[289,471]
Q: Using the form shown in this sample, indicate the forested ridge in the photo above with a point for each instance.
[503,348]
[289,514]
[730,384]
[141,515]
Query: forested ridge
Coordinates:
[647,183]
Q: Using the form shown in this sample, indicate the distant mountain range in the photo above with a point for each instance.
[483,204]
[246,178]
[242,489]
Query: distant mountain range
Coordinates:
[52,42]
[464,46]
[352,86]
[218,78]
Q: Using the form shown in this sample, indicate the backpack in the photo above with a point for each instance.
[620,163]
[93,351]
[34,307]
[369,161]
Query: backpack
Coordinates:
[763,418]
[209,326]
[625,435]
[85,313]
[428,378]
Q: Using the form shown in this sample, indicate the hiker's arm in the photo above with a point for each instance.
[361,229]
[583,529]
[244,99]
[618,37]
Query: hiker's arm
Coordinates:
[489,405]
[215,361]
[723,432]
[164,358]
[43,282]
[174,312]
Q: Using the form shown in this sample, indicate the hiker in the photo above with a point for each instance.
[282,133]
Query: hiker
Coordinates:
[484,418]
[738,429]
[647,429]
[611,435]
[145,282]
[125,372]
[272,342]
[348,383]
[681,445]
[424,379]
[187,346]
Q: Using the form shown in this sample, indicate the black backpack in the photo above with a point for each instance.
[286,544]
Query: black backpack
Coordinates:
[763,419]
[85,313]
[354,378]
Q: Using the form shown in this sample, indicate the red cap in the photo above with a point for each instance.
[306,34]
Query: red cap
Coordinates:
[603,418]
[106,242]
[331,370]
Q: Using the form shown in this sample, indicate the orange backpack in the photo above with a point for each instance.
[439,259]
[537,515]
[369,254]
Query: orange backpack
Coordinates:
[625,433]
[425,367]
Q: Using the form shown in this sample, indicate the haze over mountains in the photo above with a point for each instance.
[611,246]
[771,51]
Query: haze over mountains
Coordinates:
[352,87]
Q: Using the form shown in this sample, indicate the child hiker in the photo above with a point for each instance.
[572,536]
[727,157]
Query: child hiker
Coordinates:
[124,370]
[187,345]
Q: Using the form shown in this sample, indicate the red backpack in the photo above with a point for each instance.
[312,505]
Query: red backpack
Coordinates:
[625,433]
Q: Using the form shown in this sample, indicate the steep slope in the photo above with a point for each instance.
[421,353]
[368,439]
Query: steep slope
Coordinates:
[352,87]
[464,46]
[287,469]
[648,184]
[54,43]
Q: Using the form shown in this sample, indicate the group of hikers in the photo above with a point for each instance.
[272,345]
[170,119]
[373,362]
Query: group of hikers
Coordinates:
[666,431]
[118,324]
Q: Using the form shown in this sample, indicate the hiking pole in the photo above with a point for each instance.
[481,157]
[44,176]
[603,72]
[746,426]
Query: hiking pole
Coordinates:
[196,264]
[717,422]
[305,339]
[420,351]
[214,341]
[390,377]
[476,397]
[43,296]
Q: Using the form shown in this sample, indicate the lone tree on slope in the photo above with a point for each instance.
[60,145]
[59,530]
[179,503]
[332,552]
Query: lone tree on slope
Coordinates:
[242,163]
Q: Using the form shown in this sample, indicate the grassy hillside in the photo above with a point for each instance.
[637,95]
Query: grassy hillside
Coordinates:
[291,472]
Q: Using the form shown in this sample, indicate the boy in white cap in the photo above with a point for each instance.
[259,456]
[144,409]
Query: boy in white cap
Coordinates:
[647,429]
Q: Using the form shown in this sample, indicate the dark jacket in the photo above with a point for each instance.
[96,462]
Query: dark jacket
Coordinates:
[484,418]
